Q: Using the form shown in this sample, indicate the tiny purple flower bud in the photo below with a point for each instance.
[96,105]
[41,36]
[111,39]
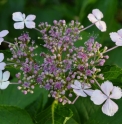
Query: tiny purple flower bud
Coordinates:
[68,78]
[88,72]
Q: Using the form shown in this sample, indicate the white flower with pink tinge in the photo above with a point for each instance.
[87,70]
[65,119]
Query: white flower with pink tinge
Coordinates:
[117,37]
[82,89]
[4,79]
[20,20]
[2,64]
[95,17]
[108,92]
[3,34]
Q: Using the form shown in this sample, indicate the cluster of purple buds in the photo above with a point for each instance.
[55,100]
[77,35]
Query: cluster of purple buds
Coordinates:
[60,36]
[23,59]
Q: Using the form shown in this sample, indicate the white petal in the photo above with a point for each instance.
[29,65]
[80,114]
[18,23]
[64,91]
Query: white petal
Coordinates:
[116,93]
[92,18]
[97,13]
[19,25]
[2,65]
[30,24]
[78,84]
[1,75]
[89,92]
[6,76]
[120,32]
[86,85]
[114,36]
[3,33]
[30,17]
[80,93]
[23,16]
[109,108]
[18,16]
[101,25]
[1,57]
[1,40]
[119,43]
[74,86]
[107,87]
[4,85]
[98,97]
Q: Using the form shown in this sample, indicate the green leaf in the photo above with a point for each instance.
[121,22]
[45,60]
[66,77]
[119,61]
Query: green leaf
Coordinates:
[99,118]
[14,115]
[12,96]
[39,104]
[83,109]
[86,112]
[54,114]
[111,72]
[71,121]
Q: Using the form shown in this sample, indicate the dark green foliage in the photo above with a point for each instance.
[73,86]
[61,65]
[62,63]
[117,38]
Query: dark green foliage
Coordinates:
[14,115]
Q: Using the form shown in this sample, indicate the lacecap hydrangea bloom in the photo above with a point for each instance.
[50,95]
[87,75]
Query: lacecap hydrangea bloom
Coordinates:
[67,71]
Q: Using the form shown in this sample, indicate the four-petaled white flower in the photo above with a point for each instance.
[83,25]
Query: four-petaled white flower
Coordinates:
[82,89]
[2,64]
[4,79]
[3,34]
[108,92]
[117,37]
[96,17]
[20,18]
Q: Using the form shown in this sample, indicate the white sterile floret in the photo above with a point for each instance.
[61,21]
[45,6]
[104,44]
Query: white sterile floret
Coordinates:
[117,37]
[3,34]
[4,79]
[20,20]
[108,92]
[2,64]
[81,89]
[95,17]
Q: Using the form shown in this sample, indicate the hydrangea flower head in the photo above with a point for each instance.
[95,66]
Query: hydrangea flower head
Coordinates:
[3,34]
[108,92]
[2,64]
[117,37]
[95,17]
[20,20]
[81,89]
[4,79]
